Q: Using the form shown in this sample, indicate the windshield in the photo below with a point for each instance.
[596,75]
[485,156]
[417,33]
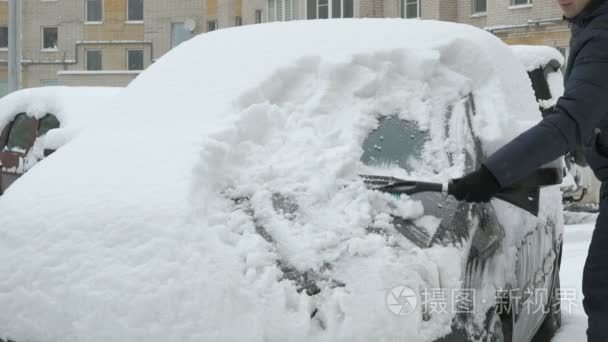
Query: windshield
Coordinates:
[395,142]
[400,143]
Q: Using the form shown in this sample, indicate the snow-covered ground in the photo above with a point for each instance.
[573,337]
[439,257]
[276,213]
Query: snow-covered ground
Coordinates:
[576,243]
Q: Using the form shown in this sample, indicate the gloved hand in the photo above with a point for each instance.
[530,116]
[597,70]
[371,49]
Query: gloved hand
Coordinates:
[477,186]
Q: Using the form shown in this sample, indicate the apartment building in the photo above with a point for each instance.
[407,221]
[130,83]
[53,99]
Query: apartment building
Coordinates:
[535,22]
[109,42]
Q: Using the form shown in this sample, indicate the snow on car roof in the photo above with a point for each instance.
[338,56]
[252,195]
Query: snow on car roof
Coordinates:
[136,234]
[67,103]
[535,56]
[75,107]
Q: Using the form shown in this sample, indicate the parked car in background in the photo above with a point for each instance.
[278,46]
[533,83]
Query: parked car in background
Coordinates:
[35,122]
[225,187]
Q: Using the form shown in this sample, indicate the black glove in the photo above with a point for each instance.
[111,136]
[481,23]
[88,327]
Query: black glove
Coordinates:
[477,186]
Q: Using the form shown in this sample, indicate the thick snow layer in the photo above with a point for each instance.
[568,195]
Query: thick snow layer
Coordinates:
[136,237]
[536,56]
[74,107]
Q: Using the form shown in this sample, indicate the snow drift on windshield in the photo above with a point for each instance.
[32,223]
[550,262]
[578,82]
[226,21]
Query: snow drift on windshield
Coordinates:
[151,228]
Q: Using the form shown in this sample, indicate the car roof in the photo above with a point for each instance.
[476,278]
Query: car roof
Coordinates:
[67,103]
[536,56]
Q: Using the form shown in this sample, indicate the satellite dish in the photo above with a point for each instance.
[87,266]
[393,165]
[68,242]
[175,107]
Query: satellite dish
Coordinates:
[190,24]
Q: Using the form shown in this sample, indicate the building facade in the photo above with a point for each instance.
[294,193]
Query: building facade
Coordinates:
[109,42]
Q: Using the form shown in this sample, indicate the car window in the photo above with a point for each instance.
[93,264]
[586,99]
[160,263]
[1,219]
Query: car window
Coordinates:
[20,134]
[394,142]
[47,123]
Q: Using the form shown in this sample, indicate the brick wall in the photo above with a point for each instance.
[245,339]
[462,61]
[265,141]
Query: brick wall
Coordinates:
[249,8]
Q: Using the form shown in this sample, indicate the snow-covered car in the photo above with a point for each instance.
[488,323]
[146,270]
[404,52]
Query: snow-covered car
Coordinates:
[35,122]
[223,197]
[581,189]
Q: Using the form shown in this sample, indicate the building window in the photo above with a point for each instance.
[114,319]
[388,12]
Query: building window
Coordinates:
[179,34]
[238,21]
[135,59]
[49,38]
[211,25]
[94,9]
[521,2]
[324,9]
[283,10]
[480,6]
[135,10]
[94,61]
[3,37]
[258,16]
[410,9]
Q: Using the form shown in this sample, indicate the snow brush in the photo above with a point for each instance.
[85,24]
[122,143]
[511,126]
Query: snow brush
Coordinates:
[524,195]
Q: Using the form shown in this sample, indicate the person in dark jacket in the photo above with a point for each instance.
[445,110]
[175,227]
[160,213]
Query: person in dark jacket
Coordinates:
[579,120]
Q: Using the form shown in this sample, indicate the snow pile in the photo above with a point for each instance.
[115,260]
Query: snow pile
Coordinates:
[151,228]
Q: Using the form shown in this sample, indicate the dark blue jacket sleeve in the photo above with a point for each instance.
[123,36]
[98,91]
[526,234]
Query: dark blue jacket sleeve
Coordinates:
[572,122]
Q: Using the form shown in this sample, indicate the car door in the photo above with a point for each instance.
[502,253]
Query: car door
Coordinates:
[537,249]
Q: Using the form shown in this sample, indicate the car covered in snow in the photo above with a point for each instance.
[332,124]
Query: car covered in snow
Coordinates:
[238,208]
[34,122]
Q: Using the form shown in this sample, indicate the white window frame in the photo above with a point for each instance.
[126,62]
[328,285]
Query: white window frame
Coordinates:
[86,13]
[143,57]
[329,9]
[473,8]
[133,21]
[172,26]
[42,48]
[86,59]
[528,3]
[275,10]
[403,9]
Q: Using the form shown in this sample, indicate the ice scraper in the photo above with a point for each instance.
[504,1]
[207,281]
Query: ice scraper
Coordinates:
[525,194]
